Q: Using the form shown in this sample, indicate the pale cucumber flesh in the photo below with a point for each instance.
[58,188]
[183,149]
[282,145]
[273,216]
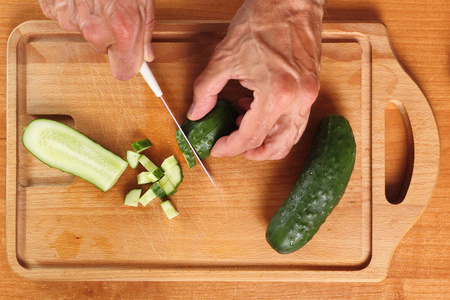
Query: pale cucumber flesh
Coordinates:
[62,147]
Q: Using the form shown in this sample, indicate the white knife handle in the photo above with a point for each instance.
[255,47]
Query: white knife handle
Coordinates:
[148,76]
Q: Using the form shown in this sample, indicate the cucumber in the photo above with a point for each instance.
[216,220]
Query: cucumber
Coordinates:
[62,147]
[142,145]
[132,198]
[169,209]
[155,172]
[320,185]
[133,159]
[169,163]
[204,133]
[167,186]
[148,196]
[157,189]
[175,175]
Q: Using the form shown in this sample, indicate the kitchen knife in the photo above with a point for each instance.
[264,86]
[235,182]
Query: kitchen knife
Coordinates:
[153,84]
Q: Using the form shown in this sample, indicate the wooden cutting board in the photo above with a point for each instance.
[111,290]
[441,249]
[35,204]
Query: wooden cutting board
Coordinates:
[62,228]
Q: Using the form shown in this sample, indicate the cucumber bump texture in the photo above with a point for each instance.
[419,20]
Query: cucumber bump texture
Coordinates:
[204,133]
[319,187]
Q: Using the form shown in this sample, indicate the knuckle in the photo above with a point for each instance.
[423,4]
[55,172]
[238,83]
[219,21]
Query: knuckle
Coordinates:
[252,142]
[310,88]
[280,153]
[92,34]
[123,27]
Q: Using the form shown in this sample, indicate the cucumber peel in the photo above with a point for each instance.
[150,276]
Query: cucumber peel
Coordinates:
[141,146]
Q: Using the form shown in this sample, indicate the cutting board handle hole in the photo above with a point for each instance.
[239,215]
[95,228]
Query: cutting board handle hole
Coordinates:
[399,152]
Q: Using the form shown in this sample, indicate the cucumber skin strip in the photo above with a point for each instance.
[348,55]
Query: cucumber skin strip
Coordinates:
[92,162]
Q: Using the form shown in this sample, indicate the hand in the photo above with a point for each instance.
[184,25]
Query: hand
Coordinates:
[273,49]
[122,29]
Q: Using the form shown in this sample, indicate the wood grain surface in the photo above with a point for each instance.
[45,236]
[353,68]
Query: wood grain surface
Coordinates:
[420,268]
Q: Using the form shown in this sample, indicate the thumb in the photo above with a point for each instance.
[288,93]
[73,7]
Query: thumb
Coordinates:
[206,88]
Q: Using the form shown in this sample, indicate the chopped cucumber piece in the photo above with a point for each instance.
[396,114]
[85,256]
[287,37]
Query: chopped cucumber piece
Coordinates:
[157,189]
[142,145]
[156,174]
[169,209]
[143,178]
[62,147]
[147,197]
[147,163]
[175,175]
[169,163]
[133,159]
[132,198]
[167,186]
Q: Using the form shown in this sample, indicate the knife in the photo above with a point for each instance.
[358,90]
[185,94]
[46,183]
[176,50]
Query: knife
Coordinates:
[153,84]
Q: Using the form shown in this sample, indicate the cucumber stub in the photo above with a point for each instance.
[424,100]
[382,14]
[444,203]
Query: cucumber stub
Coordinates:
[204,133]
[64,148]
[142,145]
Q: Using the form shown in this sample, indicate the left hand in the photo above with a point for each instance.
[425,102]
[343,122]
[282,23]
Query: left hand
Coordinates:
[273,49]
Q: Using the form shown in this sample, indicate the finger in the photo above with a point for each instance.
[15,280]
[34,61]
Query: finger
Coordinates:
[206,88]
[149,55]
[251,133]
[126,54]
[62,14]
[245,103]
[93,28]
[278,142]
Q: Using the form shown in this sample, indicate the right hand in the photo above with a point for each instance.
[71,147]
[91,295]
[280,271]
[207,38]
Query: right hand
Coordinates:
[122,29]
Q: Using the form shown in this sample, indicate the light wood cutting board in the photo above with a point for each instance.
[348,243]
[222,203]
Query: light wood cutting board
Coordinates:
[62,228]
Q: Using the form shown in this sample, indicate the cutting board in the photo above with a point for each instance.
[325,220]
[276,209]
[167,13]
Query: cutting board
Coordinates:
[62,228]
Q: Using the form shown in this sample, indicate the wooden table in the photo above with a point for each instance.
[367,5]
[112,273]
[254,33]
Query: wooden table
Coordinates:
[420,267]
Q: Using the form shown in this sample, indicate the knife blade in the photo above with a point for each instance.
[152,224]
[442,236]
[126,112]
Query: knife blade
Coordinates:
[154,86]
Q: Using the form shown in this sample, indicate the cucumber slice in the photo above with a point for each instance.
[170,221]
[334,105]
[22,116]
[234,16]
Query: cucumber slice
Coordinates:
[156,174]
[169,163]
[147,163]
[62,147]
[169,209]
[175,175]
[157,189]
[143,178]
[167,186]
[133,159]
[147,197]
[132,198]
[142,145]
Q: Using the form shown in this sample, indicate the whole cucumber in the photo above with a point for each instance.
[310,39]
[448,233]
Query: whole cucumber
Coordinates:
[320,185]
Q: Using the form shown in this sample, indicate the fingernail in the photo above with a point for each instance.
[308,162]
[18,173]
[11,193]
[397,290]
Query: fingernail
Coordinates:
[150,55]
[191,111]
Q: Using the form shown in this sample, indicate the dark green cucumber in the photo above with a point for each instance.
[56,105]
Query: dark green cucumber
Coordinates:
[204,133]
[320,186]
